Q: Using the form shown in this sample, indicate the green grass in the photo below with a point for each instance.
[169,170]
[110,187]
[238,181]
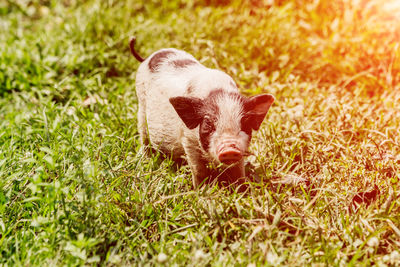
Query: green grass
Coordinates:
[76,188]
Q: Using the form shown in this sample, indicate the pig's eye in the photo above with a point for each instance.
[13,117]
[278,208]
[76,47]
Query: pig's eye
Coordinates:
[208,124]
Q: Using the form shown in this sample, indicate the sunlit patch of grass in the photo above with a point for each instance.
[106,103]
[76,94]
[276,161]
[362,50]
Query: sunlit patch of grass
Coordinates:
[77,188]
[355,42]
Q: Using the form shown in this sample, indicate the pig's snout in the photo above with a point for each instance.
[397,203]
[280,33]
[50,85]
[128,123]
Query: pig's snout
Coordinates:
[229,153]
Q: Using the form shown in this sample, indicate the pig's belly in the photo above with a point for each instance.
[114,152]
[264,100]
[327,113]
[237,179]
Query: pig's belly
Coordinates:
[164,128]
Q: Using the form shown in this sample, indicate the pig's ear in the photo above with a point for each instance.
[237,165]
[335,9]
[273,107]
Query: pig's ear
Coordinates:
[256,108]
[188,109]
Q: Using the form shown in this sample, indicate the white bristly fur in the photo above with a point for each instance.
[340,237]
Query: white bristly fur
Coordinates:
[228,125]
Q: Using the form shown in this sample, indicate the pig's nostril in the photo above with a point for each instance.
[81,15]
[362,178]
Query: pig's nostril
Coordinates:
[230,156]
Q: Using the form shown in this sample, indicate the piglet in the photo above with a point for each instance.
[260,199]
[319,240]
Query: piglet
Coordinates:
[187,109]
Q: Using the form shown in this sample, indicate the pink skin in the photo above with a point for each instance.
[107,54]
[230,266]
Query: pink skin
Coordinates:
[228,152]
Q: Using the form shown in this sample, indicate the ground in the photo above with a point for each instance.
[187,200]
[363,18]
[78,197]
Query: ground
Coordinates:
[76,188]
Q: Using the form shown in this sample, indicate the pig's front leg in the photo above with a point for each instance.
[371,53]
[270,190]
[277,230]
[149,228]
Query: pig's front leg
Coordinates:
[198,166]
[234,175]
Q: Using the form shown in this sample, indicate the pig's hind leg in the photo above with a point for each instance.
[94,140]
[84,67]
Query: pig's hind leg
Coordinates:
[142,125]
[141,113]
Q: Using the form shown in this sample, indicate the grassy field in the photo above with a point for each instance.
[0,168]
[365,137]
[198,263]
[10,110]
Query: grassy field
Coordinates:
[76,190]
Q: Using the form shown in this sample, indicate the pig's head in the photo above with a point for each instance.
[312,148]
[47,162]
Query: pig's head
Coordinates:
[225,119]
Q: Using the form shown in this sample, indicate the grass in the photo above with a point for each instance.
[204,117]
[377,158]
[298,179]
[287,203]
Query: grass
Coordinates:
[76,189]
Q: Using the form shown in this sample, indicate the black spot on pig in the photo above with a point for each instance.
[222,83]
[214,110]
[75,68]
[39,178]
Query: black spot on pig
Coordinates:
[159,58]
[207,128]
[183,63]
